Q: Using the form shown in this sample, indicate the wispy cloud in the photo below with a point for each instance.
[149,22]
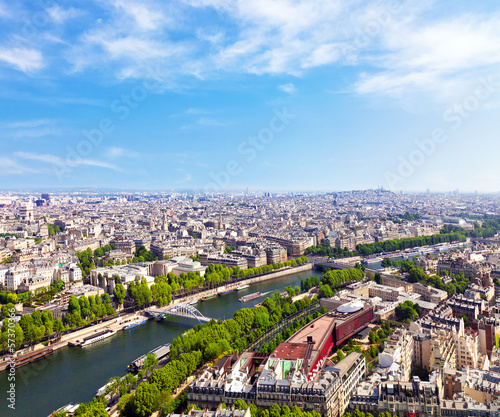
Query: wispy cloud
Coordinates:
[24,59]
[392,50]
[197,111]
[208,121]
[60,15]
[26,123]
[288,88]
[437,56]
[29,133]
[55,160]
[187,176]
[101,164]
[47,158]
[117,152]
[9,166]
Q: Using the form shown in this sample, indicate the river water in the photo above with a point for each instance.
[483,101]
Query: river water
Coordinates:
[73,375]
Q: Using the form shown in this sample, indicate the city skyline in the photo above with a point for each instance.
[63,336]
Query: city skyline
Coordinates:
[272,96]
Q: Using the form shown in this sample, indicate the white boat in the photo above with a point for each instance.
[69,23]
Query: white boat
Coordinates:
[193,302]
[97,337]
[69,408]
[242,287]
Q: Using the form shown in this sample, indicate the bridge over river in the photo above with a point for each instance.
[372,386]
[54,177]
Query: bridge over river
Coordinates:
[179,310]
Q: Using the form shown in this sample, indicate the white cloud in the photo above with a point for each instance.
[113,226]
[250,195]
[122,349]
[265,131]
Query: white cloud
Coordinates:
[24,59]
[116,152]
[288,88]
[146,15]
[395,50]
[55,160]
[60,15]
[187,176]
[49,159]
[435,57]
[26,123]
[29,133]
[197,111]
[9,166]
[101,164]
[208,121]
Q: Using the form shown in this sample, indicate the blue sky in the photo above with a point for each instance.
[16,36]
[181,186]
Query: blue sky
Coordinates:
[266,94]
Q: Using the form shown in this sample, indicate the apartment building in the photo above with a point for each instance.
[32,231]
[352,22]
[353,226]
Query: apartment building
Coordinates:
[404,399]
[351,370]
[14,277]
[467,346]
[279,378]
[398,354]
[223,259]
[34,283]
[434,349]
[469,307]
[429,293]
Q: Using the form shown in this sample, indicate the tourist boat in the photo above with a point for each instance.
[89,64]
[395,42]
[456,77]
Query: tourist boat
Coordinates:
[95,338]
[242,287]
[250,297]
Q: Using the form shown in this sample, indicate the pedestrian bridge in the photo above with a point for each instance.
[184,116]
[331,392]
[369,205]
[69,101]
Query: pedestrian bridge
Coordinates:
[179,310]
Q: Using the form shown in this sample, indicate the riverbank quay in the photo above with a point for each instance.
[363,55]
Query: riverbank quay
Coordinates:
[252,280]
[115,324]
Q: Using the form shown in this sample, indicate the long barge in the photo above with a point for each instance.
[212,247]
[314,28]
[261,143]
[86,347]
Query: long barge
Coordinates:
[225,292]
[94,338]
[250,297]
[160,352]
[33,356]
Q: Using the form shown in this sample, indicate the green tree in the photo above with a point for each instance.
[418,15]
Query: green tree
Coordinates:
[119,293]
[145,399]
[240,405]
[325,291]
[140,293]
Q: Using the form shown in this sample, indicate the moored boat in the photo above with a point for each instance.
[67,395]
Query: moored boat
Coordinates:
[33,356]
[208,297]
[160,352]
[95,338]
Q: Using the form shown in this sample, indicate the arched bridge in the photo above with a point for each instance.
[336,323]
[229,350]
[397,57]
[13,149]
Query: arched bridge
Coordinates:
[179,310]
